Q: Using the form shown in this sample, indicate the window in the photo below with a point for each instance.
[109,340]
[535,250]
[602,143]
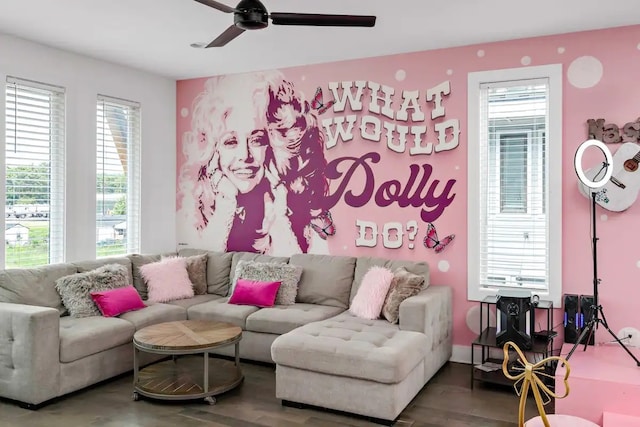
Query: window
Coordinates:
[514,181]
[34,173]
[117,177]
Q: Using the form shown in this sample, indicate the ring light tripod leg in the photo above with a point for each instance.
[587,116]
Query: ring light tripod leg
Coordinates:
[606,326]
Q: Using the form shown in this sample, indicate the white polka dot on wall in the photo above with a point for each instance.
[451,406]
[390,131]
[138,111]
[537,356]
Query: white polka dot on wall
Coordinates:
[480,53]
[345,248]
[638,46]
[443,266]
[457,168]
[303,78]
[473,319]
[401,75]
[604,217]
[561,50]
[585,72]
[630,336]
[184,112]
[638,264]
[449,71]
[526,60]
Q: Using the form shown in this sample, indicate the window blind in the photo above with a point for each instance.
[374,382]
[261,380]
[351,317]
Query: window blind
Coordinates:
[34,173]
[513,189]
[117,177]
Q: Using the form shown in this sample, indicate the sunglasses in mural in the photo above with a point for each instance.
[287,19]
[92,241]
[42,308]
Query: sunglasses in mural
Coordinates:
[431,240]
[323,225]
[317,103]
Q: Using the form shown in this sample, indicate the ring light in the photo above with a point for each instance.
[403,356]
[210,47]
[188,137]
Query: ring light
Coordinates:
[577,163]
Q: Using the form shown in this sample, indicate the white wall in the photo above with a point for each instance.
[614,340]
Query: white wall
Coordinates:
[84,78]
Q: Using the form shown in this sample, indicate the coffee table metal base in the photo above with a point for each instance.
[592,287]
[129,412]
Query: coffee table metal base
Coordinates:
[187,377]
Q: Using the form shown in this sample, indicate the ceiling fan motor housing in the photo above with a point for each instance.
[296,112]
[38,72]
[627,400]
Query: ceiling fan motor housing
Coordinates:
[251,15]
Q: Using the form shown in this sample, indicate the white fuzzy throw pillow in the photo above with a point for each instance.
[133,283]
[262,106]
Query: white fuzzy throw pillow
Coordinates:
[167,279]
[372,292]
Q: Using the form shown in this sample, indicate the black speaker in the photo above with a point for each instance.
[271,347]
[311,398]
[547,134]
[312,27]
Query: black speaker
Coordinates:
[571,318]
[586,314]
[515,318]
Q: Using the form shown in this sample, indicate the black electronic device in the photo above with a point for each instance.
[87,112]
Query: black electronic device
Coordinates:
[571,318]
[586,316]
[515,318]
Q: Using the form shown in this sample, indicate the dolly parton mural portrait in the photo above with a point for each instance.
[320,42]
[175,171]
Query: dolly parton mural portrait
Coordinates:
[252,174]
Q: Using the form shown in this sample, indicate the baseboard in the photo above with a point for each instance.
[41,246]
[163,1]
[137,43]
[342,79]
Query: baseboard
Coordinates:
[461,354]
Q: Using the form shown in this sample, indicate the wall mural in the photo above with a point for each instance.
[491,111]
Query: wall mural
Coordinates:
[337,168]
[258,171]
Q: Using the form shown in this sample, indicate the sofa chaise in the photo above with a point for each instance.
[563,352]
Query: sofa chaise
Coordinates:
[324,355]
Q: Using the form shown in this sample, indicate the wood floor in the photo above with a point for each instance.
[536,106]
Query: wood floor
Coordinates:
[446,401]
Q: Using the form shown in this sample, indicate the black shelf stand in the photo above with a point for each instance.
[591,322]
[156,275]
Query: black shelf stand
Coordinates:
[487,340]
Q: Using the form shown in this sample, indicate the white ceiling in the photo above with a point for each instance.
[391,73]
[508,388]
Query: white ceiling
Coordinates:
[155,35]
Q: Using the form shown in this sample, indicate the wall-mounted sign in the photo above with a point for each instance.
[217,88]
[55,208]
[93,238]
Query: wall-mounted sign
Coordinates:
[610,133]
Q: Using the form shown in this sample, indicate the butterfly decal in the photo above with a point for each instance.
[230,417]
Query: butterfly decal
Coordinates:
[431,240]
[317,103]
[323,225]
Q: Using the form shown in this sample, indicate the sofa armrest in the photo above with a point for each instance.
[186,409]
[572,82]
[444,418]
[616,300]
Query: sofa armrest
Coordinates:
[429,312]
[29,352]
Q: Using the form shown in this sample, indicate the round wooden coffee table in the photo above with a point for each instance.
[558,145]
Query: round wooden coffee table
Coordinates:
[183,377]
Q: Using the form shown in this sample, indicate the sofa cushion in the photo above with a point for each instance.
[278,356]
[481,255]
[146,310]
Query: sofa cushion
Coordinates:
[154,313]
[218,269]
[372,293]
[34,286]
[197,270]
[137,261]
[349,346]
[254,292]
[250,256]
[281,319]
[198,299]
[167,279]
[403,285]
[114,302]
[81,337]
[363,264]
[93,264]
[325,280]
[288,275]
[221,311]
[75,290]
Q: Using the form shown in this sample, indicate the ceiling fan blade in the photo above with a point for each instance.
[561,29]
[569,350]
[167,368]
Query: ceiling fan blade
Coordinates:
[229,34]
[217,5]
[321,20]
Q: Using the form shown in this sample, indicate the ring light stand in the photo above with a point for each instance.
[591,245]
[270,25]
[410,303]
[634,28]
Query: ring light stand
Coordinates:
[597,313]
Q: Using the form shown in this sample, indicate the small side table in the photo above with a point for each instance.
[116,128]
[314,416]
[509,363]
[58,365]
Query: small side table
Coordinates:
[184,378]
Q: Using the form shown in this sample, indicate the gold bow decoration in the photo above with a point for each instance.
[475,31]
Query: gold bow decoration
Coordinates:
[529,378]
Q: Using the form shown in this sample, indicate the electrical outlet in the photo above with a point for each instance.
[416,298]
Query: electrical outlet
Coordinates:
[627,331]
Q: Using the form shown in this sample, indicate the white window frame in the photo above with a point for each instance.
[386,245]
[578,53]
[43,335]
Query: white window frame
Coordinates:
[57,205]
[134,142]
[475,290]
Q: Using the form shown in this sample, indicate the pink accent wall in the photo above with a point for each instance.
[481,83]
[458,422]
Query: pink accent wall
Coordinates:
[613,94]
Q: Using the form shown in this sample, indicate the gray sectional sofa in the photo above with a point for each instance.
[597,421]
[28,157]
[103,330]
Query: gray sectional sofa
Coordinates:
[324,356]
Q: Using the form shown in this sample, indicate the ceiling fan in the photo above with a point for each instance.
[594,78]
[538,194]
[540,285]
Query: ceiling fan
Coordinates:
[253,15]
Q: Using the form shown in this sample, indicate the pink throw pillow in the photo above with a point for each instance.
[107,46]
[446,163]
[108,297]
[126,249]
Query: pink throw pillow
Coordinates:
[372,292]
[117,301]
[253,292]
[167,279]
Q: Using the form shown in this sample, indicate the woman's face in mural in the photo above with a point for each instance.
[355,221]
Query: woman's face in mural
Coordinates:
[242,151]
